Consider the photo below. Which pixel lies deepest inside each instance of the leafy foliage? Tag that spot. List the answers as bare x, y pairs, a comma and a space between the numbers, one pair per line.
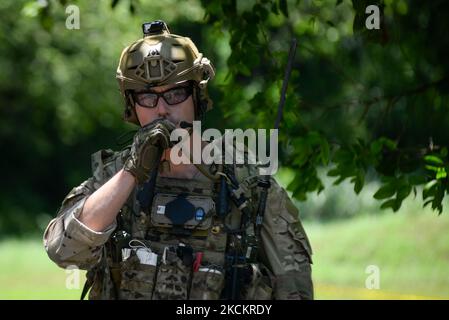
358, 96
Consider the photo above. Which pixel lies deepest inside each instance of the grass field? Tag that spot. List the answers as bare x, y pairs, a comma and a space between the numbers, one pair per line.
411, 251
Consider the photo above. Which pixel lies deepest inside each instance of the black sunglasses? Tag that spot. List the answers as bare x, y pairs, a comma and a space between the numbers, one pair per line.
171, 96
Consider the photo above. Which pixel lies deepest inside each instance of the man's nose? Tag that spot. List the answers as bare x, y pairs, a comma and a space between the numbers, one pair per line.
161, 108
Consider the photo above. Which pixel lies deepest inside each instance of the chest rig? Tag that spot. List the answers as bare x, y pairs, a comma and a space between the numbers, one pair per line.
175, 221
194, 244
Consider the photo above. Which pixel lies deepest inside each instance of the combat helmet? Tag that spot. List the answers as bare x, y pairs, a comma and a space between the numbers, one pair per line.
162, 58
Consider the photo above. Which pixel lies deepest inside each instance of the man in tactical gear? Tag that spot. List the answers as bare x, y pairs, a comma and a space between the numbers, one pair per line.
145, 228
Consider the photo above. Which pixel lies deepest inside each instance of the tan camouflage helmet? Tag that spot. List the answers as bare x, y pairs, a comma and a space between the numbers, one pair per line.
162, 58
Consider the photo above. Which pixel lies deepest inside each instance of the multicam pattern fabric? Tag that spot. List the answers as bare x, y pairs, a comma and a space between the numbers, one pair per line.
284, 237
137, 280
173, 278
285, 252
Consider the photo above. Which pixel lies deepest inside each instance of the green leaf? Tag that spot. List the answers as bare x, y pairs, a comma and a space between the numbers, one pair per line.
390, 204
416, 179
432, 168
359, 181
433, 159
441, 174
385, 191
334, 172
324, 151
32, 9
390, 144
429, 189
403, 192
244, 70
427, 203
46, 21
376, 147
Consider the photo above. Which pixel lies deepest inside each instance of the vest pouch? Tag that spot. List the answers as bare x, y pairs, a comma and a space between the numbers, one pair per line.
207, 283
173, 277
137, 279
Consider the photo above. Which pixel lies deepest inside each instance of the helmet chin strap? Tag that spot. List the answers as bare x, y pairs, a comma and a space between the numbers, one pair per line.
200, 105
130, 111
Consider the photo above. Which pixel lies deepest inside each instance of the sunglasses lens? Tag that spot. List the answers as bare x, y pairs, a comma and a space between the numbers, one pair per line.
176, 95
172, 97
146, 99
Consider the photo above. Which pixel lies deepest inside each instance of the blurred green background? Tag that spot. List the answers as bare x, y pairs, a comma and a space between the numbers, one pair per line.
369, 106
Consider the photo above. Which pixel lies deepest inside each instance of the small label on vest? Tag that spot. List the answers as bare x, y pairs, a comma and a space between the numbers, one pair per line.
160, 210
146, 256
199, 214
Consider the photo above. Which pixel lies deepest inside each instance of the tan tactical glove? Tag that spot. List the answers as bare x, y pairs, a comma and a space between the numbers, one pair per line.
147, 147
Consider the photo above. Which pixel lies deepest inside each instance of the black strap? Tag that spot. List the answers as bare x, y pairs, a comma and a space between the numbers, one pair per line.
88, 284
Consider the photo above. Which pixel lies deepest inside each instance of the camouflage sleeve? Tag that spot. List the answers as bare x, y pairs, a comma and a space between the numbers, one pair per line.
286, 247
67, 240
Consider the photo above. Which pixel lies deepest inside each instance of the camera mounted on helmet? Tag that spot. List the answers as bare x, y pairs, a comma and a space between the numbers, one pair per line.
154, 27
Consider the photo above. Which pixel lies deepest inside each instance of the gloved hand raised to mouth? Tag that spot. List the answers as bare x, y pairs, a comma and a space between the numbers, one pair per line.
146, 151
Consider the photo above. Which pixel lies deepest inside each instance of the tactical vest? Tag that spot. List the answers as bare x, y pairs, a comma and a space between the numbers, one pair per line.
175, 246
